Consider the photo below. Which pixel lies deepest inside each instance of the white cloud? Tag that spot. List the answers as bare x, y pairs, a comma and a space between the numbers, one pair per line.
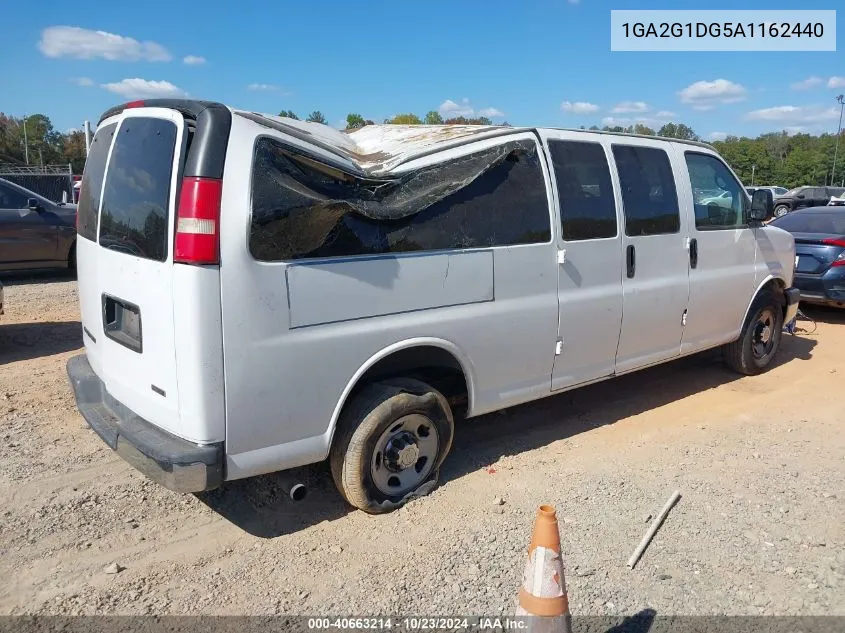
449, 108
73, 41
143, 89
630, 106
806, 84
836, 82
794, 114
193, 60
261, 87
579, 107
85, 82
718, 136
665, 114
706, 95
490, 113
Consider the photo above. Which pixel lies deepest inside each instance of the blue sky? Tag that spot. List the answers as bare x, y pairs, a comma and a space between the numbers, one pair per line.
530, 62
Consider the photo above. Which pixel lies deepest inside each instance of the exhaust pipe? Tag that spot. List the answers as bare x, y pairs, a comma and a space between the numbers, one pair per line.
294, 489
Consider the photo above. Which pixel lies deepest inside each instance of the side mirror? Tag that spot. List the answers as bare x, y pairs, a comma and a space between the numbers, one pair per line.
801, 196
32, 204
762, 205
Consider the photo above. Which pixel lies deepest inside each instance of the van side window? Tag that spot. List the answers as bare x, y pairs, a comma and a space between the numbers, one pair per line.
301, 211
587, 205
136, 200
718, 199
88, 207
648, 190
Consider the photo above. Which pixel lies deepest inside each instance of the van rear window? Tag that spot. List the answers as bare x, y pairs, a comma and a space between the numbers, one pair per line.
136, 201
92, 182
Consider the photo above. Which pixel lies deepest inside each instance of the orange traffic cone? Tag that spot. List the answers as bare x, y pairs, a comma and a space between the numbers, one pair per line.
543, 591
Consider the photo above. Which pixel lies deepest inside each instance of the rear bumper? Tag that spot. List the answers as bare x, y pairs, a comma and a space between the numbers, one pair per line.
174, 463
827, 289
792, 296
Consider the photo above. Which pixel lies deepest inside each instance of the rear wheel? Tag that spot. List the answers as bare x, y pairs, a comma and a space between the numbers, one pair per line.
755, 349
390, 443
781, 210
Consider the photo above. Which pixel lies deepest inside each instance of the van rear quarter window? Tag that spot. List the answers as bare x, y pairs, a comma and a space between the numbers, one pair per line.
302, 210
92, 182
136, 201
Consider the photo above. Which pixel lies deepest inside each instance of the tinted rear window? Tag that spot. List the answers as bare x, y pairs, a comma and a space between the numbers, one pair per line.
92, 182
812, 223
136, 201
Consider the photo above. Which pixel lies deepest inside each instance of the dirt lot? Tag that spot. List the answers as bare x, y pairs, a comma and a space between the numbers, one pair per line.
760, 528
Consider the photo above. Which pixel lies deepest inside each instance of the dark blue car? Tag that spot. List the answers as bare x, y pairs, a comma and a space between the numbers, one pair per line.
819, 234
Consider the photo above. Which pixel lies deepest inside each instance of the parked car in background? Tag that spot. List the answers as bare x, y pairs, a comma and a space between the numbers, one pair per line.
776, 191
837, 201
35, 232
819, 234
724, 199
803, 197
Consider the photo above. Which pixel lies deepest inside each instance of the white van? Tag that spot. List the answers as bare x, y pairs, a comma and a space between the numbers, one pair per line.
259, 293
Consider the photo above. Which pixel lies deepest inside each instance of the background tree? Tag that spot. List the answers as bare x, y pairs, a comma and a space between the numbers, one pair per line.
462, 120
289, 114
354, 121
405, 119
678, 130
317, 117
432, 117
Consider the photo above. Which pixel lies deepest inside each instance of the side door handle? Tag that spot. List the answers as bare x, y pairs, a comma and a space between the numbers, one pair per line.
693, 253
631, 260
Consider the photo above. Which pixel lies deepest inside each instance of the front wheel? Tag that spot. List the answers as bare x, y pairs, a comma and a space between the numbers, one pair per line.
390, 443
755, 349
781, 210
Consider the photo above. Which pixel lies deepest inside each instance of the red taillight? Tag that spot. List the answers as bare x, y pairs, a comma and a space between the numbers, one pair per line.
198, 222
135, 104
835, 241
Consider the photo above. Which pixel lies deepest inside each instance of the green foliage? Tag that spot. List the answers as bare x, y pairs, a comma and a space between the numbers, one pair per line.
462, 120
289, 114
678, 130
317, 117
783, 160
405, 119
354, 121
433, 117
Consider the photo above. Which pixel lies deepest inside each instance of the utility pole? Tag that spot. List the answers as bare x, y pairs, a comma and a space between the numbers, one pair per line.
86, 129
25, 142
753, 168
841, 101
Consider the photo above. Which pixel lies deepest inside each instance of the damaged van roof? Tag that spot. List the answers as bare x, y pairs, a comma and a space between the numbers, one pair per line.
376, 149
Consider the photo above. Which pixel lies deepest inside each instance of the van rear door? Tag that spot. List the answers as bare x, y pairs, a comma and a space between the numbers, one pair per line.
126, 276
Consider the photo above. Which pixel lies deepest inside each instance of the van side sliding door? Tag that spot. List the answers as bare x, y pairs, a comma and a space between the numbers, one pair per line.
655, 269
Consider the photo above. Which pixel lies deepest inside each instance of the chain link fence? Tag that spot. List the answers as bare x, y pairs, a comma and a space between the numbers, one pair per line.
54, 182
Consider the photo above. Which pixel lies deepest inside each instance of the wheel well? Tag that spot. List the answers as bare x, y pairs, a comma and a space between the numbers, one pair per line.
428, 363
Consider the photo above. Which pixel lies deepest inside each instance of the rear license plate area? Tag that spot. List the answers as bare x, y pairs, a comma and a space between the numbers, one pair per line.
122, 323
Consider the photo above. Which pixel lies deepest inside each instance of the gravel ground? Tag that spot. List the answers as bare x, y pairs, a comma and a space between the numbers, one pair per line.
760, 528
